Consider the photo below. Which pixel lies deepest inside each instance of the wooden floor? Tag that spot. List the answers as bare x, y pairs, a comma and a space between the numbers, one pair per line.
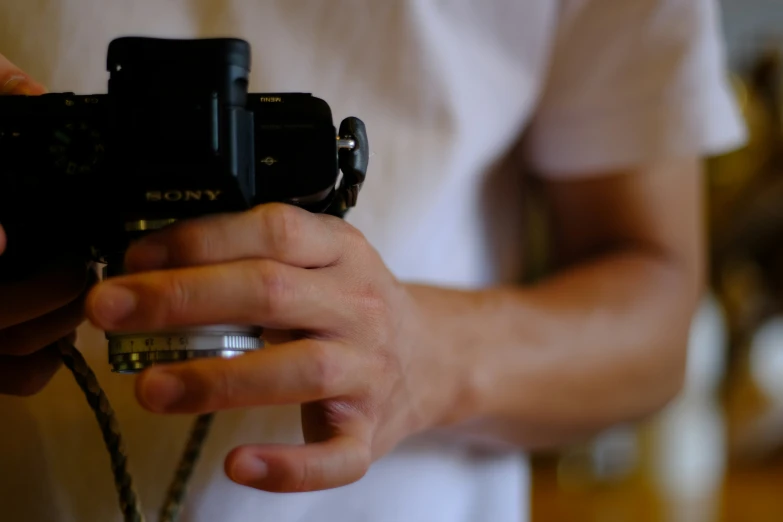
751, 494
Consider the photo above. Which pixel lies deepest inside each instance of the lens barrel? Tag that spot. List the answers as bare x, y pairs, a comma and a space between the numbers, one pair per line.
132, 352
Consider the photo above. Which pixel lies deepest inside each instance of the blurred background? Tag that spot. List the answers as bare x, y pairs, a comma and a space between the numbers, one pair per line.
716, 453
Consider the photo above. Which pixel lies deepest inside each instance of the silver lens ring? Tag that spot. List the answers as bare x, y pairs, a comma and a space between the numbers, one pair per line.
132, 352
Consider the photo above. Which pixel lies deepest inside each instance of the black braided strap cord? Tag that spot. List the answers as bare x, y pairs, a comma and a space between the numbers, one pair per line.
107, 420
170, 510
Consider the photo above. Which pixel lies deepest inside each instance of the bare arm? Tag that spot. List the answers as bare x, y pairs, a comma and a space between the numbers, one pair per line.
601, 342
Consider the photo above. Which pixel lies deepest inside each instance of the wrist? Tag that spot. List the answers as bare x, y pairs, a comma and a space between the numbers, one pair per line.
447, 371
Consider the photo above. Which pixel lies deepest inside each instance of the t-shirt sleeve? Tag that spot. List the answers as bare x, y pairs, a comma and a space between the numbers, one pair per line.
631, 82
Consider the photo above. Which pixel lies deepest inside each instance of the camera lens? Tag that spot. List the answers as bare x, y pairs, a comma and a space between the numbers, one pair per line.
132, 352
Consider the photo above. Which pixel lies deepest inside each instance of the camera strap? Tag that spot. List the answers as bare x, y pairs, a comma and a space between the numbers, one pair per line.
130, 504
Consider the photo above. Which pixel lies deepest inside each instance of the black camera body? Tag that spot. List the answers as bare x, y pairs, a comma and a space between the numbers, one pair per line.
177, 136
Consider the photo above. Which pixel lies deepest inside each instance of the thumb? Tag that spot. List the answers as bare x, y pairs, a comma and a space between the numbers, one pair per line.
2, 240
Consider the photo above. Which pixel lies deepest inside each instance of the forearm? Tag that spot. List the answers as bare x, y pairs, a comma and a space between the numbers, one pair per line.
598, 344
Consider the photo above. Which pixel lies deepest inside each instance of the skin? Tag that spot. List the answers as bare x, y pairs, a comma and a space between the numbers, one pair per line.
373, 360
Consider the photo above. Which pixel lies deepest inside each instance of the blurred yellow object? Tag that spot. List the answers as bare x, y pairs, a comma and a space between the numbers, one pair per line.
731, 175
732, 169
745, 192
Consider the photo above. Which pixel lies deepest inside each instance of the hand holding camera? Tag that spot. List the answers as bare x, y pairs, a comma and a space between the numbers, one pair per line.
216, 212
38, 311
87, 175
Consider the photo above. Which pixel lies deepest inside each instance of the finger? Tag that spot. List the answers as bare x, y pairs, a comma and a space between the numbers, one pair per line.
334, 463
25, 376
14, 81
275, 231
26, 300
295, 373
26, 338
2, 240
258, 292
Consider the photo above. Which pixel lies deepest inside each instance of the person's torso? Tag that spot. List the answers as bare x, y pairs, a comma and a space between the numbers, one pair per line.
445, 88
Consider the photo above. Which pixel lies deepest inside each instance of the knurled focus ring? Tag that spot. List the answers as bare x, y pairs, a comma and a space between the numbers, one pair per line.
133, 352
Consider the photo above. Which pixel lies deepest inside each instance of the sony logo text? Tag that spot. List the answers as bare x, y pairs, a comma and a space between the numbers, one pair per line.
183, 195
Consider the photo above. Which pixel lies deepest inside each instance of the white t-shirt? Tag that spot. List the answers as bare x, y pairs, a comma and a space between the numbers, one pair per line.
446, 88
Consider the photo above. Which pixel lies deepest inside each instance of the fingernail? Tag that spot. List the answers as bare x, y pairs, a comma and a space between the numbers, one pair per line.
146, 255
114, 303
21, 85
248, 470
162, 390
9, 86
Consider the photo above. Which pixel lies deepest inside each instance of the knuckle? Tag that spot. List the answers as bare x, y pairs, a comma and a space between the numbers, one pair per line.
326, 372
280, 226
381, 319
173, 298
384, 362
272, 288
313, 474
353, 233
376, 309
214, 389
191, 243
354, 239
374, 304
303, 478
223, 389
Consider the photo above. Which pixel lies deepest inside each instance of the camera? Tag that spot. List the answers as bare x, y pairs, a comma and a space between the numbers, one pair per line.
177, 136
